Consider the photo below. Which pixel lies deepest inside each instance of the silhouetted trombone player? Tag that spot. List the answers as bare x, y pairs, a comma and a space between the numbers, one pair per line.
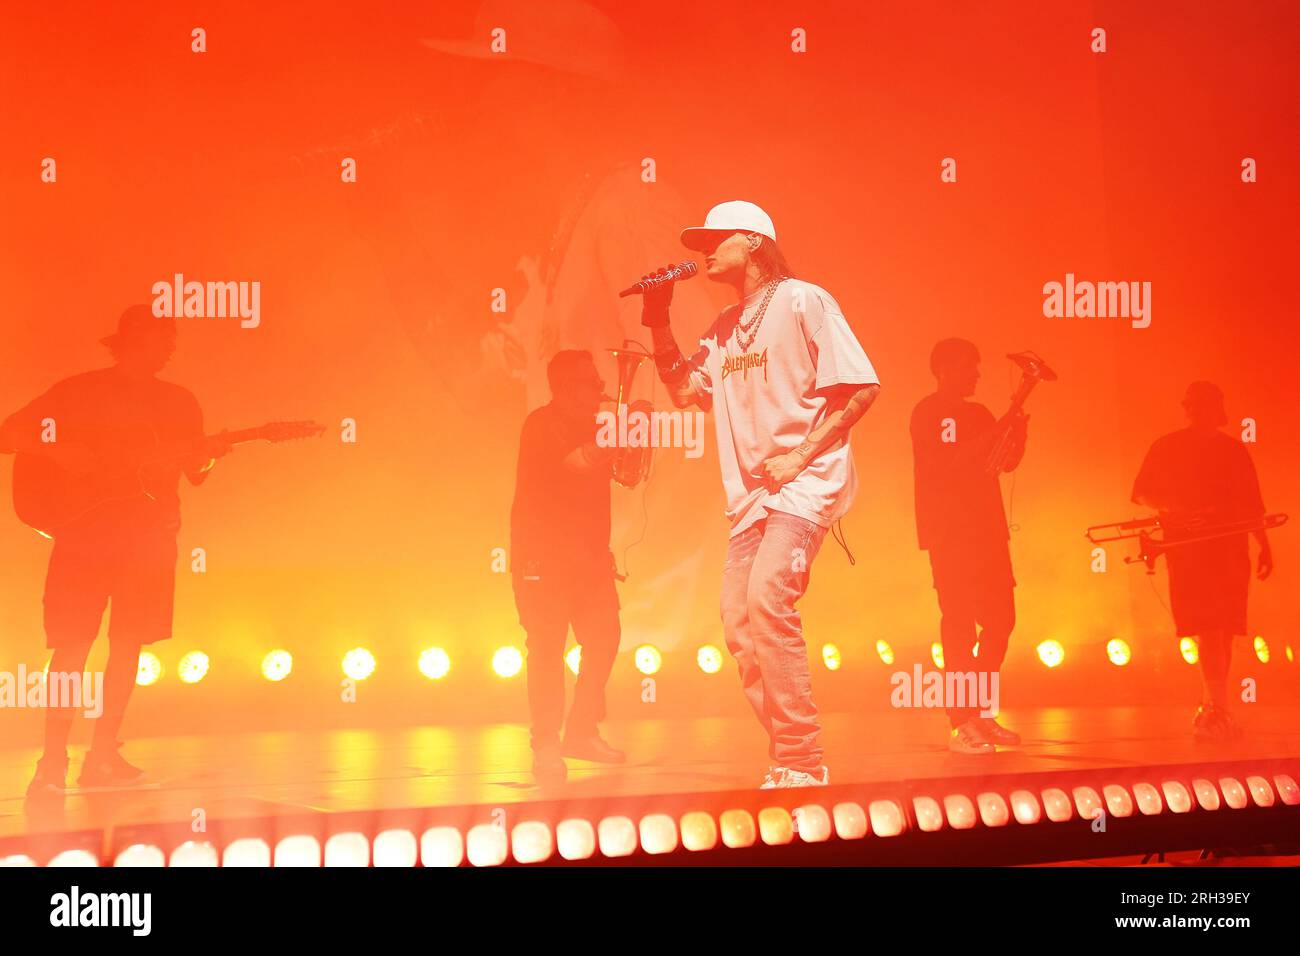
1203, 483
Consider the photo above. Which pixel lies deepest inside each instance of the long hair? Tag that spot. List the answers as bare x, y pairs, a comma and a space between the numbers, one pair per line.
771, 260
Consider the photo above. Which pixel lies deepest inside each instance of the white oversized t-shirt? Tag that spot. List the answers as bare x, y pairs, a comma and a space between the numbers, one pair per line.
768, 397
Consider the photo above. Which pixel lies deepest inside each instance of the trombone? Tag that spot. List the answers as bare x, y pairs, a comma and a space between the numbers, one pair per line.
1185, 530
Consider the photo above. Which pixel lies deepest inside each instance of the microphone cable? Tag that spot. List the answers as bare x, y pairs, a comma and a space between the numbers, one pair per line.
837, 532
645, 496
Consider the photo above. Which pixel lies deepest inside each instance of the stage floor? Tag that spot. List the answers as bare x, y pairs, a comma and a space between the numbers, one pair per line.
270, 774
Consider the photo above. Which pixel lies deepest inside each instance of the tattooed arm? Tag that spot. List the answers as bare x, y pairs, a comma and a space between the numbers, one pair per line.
686, 378
847, 404
683, 376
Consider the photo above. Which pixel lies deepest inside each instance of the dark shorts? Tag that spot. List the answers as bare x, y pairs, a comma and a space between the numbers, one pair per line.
138, 577
1208, 585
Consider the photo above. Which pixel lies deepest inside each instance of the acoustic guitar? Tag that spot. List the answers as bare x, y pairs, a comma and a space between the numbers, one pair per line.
48, 497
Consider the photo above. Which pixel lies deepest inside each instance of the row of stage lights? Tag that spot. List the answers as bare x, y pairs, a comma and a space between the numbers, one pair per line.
623, 834
435, 663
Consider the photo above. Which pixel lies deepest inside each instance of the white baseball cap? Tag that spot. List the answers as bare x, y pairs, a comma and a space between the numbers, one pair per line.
729, 217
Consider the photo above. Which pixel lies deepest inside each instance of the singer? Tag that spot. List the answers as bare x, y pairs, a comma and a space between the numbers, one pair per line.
786, 380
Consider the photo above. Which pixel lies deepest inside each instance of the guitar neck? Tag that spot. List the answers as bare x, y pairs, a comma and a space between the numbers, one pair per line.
242, 436
180, 449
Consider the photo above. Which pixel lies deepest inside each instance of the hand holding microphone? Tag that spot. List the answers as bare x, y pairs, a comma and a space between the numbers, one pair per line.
656, 289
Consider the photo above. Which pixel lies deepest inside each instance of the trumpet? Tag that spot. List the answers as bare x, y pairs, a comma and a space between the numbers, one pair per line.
1033, 370
1186, 529
631, 463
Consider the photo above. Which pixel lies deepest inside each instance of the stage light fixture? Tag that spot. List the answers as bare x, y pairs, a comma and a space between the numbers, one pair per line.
395, 848
350, 849
76, 857
699, 831
277, 665
1051, 653
831, 657
617, 836
936, 654
507, 661
140, 855
648, 659
298, 850
813, 823
1261, 650
1118, 651
193, 667
709, 658
575, 839
358, 663
532, 841
851, 821
442, 846
738, 829
247, 852
885, 652
486, 845
994, 811
149, 670
434, 663
775, 826
1188, 648
194, 853
1026, 807
658, 833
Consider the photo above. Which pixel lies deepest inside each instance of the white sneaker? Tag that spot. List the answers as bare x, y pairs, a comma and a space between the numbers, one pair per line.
969, 739
800, 778
772, 779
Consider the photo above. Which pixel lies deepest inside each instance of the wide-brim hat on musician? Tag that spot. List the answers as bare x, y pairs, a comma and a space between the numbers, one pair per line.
726, 219
139, 324
565, 35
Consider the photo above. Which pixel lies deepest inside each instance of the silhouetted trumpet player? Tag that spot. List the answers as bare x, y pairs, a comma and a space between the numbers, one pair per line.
959, 452
1199, 478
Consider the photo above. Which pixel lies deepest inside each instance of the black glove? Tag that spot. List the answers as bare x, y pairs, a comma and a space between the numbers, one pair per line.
654, 304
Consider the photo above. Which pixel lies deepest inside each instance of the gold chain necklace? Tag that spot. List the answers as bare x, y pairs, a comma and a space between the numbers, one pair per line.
743, 330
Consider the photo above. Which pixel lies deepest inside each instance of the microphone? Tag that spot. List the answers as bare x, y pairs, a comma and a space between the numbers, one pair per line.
683, 270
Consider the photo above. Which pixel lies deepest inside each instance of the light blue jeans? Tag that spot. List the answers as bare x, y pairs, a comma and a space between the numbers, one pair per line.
766, 573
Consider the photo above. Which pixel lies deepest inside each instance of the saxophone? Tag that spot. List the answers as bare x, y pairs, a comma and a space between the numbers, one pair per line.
1033, 370
631, 462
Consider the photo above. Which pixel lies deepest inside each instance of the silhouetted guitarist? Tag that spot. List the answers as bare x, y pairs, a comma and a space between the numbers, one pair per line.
123, 551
